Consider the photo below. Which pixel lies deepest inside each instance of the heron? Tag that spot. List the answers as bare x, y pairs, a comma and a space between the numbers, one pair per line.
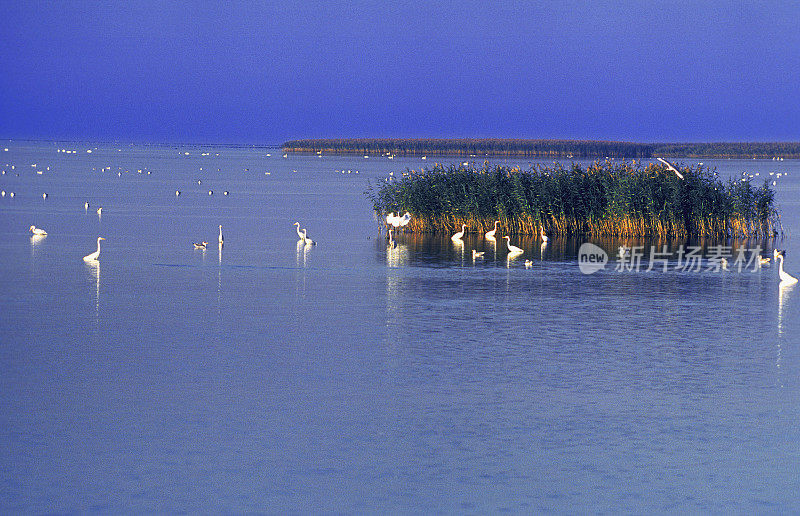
37, 231
670, 167
306, 239
221, 240
786, 278
299, 233
490, 234
512, 249
95, 255
460, 234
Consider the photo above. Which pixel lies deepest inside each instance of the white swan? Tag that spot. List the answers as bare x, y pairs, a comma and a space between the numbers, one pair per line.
786, 278
95, 255
490, 234
460, 234
221, 240
37, 231
512, 249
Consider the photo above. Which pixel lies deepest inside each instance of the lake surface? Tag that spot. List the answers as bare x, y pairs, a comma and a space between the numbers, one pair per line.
349, 377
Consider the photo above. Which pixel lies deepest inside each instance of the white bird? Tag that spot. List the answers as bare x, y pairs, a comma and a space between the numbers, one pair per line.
211, 192
201, 245
306, 239
477, 254
763, 261
405, 219
512, 249
86, 206
528, 264
44, 196
100, 210
177, 193
544, 236
95, 255
670, 167
220, 234
786, 278
37, 231
490, 234
460, 234
299, 233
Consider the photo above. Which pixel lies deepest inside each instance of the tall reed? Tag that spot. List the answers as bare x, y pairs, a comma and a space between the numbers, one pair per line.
610, 198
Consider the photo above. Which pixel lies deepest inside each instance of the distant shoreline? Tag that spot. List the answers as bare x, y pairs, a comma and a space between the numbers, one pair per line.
485, 147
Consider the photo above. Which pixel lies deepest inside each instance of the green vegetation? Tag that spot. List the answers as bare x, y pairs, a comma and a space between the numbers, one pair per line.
608, 198
542, 148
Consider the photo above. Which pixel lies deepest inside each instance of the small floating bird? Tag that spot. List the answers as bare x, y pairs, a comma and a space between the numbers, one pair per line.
724, 263
211, 192
37, 231
225, 192
670, 167
177, 193
95, 255
307, 240
786, 278
201, 245
477, 254
44, 196
763, 261
100, 210
528, 264
220, 240
460, 234
512, 249
490, 234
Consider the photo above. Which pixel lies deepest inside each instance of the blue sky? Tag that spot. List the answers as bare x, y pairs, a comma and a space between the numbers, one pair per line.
242, 72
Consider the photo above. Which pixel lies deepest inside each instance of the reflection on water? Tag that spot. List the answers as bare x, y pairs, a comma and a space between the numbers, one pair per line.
784, 293
439, 250
94, 274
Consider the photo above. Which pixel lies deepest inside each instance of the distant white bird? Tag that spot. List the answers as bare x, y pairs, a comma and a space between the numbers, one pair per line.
100, 210
211, 192
95, 255
307, 240
490, 234
512, 249
786, 278
299, 233
177, 193
405, 219
220, 235
44, 196
86, 206
37, 231
542, 233
200, 245
477, 254
670, 167
460, 234
225, 192
528, 264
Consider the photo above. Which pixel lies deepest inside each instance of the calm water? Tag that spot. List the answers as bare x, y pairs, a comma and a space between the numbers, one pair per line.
351, 378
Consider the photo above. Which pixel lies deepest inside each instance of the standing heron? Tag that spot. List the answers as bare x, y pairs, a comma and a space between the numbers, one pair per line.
786, 278
95, 255
460, 234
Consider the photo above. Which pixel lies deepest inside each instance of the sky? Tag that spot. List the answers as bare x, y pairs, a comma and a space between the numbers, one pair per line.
263, 72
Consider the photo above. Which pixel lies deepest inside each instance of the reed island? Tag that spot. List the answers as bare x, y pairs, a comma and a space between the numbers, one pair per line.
607, 198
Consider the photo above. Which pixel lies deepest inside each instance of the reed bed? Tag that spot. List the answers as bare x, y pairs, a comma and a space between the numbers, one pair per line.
542, 148
608, 198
